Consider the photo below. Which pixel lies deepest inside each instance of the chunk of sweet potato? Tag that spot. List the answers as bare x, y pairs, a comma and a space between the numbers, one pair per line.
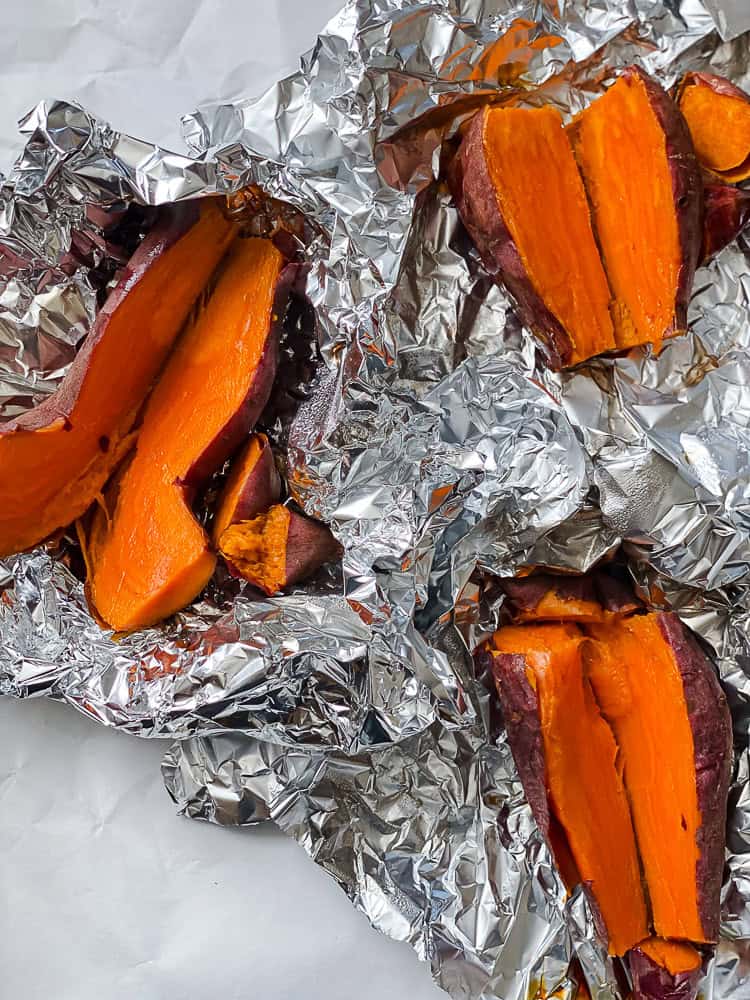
56, 458
277, 548
252, 486
657, 696
718, 116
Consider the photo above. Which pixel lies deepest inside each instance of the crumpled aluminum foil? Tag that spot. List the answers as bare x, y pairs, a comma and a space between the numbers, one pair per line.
349, 711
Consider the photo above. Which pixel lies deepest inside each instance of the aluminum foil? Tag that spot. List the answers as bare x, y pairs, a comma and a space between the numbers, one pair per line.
349, 712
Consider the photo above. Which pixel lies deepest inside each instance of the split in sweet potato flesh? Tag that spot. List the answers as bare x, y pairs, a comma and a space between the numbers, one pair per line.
543, 204
585, 787
55, 459
148, 555
252, 486
718, 116
622, 151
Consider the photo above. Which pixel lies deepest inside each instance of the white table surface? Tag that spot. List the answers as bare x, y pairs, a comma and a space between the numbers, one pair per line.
105, 894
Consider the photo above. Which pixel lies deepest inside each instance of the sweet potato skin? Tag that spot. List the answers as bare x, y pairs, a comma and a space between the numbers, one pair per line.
523, 725
711, 725
687, 188
309, 544
652, 982
726, 213
471, 186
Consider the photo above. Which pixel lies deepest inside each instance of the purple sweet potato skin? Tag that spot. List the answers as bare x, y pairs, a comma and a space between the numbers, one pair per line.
173, 223
473, 192
614, 595
258, 394
687, 189
726, 213
652, 982
711, 725
521, 713
309, 544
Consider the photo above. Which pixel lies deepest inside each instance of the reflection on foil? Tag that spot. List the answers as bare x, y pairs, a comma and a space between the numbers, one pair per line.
349, 711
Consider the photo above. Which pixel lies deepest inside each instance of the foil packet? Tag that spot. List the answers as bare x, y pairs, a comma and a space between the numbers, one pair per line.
439, 451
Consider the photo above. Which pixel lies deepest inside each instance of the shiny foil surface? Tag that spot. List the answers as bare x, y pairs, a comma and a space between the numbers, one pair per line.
440, 451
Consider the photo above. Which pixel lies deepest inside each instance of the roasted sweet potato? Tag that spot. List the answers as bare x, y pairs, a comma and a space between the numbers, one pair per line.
146, 553
726, 213
652, 727
718, 116
252, 486
551, 714
519, 194
277, 549
56, 458
646, 195
661, 697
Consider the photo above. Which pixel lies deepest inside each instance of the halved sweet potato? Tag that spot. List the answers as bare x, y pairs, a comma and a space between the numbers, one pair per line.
726, 213
277, 548
661, 697
146, 553
646, 195
55, 459
539, 670
252, 486
520, 196
718, 116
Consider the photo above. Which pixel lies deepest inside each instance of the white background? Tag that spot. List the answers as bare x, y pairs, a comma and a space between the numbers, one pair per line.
105, 894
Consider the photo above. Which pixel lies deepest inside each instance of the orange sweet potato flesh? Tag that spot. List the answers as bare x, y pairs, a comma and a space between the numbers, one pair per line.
147, 554
257, 548
584, 783
643, 182
718, 116
55, 459
638, 684
543, 204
